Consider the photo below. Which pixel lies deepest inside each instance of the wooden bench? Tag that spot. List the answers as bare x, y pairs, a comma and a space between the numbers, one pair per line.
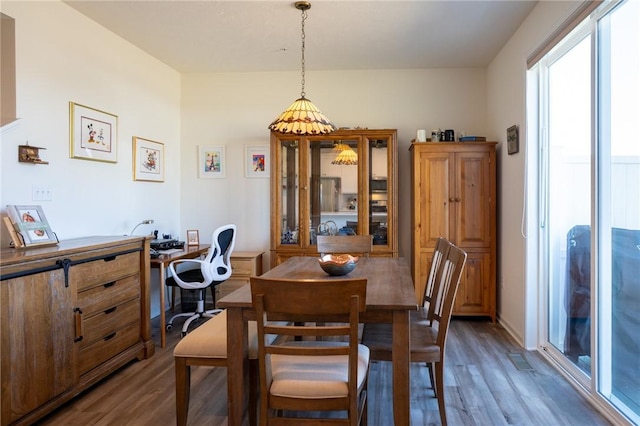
207, 346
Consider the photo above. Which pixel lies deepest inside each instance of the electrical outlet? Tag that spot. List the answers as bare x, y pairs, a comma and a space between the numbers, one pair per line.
42, 193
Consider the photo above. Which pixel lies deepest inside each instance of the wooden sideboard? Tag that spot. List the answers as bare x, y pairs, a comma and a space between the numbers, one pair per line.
70, 315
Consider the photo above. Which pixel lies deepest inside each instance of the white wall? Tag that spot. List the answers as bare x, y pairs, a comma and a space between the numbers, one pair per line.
506, 88
62, 56
234, 109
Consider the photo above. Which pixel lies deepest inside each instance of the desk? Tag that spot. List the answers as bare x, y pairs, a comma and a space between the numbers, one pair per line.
189, 252
390, 297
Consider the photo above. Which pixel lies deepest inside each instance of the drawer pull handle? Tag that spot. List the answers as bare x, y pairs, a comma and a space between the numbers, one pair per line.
111, 284
111, 310
109, 337
109, 259
77, 312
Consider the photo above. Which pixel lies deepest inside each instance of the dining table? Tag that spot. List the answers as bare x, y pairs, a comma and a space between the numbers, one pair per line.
390, 297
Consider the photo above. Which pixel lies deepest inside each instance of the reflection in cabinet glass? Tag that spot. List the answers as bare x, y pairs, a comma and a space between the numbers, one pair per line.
314, 192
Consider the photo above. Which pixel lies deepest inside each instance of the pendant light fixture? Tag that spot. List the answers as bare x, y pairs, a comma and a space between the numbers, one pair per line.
302, 117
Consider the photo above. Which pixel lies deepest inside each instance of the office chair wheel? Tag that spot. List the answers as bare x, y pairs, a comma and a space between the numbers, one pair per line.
168, 327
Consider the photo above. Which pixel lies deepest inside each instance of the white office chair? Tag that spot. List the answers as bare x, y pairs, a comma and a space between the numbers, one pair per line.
214, 269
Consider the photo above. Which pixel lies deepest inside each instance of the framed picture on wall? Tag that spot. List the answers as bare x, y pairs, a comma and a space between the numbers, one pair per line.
211, 161
257, 161
513, 140
148, 160
93, 134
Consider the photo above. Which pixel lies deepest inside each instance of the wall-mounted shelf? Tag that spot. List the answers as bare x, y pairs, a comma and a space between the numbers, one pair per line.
30, 154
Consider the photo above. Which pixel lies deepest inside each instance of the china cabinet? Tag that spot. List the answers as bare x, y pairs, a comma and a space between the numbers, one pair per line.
454, 196
69, 316
314, 190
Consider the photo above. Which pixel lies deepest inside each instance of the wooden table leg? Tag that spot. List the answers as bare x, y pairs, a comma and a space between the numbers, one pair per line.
163, 337
401, 358
237, 366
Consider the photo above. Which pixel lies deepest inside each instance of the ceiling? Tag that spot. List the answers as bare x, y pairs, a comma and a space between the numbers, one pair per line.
246, 36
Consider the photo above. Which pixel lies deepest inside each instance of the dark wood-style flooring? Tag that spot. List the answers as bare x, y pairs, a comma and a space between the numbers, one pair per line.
483, 387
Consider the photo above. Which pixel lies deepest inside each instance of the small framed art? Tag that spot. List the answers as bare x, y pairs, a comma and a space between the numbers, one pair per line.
211, 161
30, 225
257, 161
148, 160
93, 134
513, 140
193, 238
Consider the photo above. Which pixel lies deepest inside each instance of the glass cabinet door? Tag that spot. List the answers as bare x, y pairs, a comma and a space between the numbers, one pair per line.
333, 183
289, 172
378, 189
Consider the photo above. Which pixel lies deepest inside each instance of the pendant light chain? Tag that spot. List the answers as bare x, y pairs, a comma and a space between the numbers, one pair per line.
302, 117
303, 36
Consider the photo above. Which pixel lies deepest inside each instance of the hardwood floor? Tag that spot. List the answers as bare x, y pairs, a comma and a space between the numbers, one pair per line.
483, 387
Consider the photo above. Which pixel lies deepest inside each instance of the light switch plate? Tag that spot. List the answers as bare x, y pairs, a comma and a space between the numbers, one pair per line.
42, 193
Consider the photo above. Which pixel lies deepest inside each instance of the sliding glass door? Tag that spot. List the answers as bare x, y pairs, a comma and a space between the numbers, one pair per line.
589, 176
618, 206
568, 185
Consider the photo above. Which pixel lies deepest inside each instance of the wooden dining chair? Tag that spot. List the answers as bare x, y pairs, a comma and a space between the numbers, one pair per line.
428, 339
426, 309
357, 245
300, 380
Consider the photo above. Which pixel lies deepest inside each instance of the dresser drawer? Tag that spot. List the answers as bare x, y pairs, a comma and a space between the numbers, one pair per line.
242, 267
108, 295
102, 271
106, 322
107, 347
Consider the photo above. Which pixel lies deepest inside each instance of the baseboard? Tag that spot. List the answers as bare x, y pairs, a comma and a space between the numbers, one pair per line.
516, 336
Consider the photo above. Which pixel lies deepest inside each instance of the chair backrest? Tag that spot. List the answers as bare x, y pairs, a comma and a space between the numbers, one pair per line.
217, 263
435, 272
304, 305
341, 244
446, 290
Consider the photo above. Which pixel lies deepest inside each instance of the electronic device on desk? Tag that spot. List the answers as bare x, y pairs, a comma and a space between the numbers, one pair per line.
154, 253
166, 244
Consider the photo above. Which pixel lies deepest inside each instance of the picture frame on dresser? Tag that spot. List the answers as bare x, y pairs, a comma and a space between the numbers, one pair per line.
30, 226
193, 238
